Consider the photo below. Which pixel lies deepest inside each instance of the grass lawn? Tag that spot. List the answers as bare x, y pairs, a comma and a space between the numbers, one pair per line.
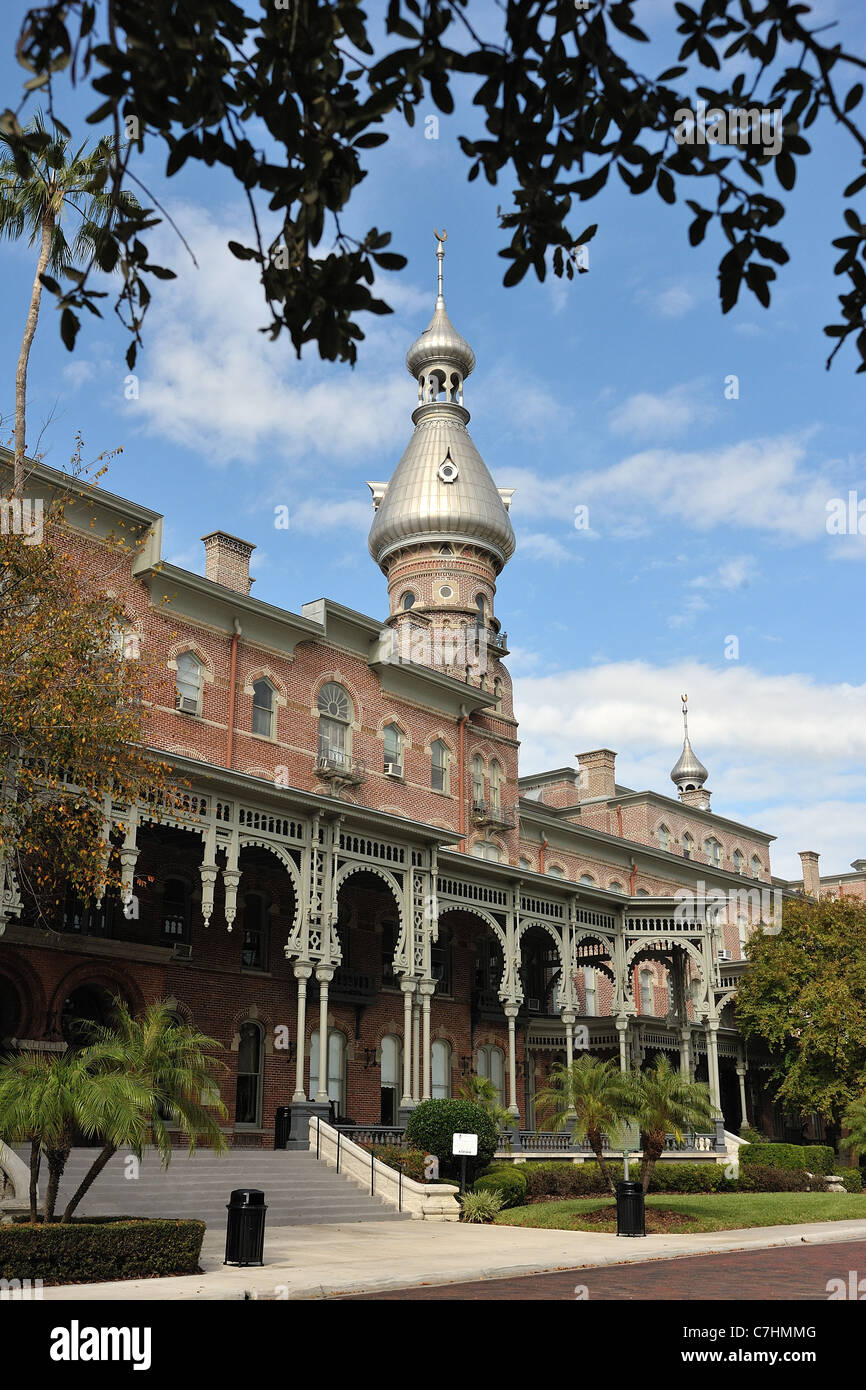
672, 1212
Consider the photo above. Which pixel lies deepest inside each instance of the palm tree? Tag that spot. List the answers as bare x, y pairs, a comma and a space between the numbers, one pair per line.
45, 1101
481, 1091
34, 202
666, 1102
854, 1121
168, 1069
596, 1095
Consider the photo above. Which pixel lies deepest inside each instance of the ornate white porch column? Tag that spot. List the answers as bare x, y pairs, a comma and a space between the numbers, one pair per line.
511, 1015
622, 1030
416, 1049
324, 975
741, 1077
426, 987
713, 1064
303, 971
408, 988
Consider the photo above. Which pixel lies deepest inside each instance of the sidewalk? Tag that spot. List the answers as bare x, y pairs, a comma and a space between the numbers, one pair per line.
307, 1262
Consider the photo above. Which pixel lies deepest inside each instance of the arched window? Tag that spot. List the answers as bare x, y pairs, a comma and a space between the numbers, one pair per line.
641, 893
615, 887
695, 991
408, 600
393, 750
254, 949
335, 720
556, 871
481, 606
477, 780
175, 919
590, 985
441, 1070
646, 992
392, 1071
188, 684
757, 867
484, 850
587, 878
524, 863
495, 788
491, 1064
713, 851
688, 846
739, 861
664, 837
336, 1068
439, 767
264, 708
497, 689
248, 1099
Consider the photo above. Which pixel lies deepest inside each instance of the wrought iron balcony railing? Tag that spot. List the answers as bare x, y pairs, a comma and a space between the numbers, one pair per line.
489, 813
332, 764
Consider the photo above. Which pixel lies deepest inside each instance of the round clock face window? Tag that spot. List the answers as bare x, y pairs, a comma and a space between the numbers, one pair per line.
446, 591
448, 471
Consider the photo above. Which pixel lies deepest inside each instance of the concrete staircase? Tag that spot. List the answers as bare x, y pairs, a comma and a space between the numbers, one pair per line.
299, 1190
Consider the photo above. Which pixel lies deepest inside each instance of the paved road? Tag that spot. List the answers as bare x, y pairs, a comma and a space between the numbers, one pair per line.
795, 1272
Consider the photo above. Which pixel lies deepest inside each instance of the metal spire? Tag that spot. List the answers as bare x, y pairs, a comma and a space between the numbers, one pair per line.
441, 238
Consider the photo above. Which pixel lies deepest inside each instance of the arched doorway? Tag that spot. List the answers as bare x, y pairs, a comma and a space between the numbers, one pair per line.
88, 1006
10, 1011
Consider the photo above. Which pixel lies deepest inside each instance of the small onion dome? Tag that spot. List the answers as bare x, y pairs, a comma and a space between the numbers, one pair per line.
440, 342
688, 768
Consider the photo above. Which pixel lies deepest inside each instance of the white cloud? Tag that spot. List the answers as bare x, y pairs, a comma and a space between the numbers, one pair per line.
537, 545
769, 742
649, 416
674, 302
328, 514
755, 484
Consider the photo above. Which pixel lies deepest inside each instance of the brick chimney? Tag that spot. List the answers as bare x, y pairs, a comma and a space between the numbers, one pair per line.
227, 561
811, 878
597, 779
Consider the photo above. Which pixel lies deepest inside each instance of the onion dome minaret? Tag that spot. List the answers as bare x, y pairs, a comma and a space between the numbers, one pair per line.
688, 772
441, 533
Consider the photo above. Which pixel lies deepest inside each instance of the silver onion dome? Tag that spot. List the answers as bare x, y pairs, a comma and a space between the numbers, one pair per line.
441, 490
688, 769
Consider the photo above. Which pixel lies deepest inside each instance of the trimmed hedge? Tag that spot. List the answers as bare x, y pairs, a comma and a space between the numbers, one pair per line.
510, 1183
691, 1177
88, 1252
809, 1158
760, 1177
852, 1179
409, 1162
433, 1124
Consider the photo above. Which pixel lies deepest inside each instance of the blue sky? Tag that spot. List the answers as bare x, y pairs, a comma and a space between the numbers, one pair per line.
707, 515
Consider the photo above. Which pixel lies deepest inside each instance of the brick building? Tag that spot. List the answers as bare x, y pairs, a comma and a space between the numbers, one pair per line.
359, 858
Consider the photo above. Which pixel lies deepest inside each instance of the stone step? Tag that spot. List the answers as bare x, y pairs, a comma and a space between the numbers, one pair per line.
299, 1190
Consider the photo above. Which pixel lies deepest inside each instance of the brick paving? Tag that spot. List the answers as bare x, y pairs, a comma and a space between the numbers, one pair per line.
798, 1273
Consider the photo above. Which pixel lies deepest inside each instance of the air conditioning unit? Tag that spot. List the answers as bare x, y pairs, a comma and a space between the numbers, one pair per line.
187, 704
181, 950
393, 770
534, 1006
725, 955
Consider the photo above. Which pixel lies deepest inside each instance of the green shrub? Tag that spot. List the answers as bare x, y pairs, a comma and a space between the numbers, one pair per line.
690, 1177
509, 1182
809, 1158
752, 1136
480, 1206
409, 1162
87, 1252
433, 1124
759, 1177
852, 1179
570, 1179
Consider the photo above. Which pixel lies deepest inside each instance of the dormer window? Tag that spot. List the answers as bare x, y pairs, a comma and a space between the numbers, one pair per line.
713, 851
664, 837
188, 685
739, 861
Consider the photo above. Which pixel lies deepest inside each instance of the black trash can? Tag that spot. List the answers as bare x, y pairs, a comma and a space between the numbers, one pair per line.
630, 1209
282, 1126
245, 1228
